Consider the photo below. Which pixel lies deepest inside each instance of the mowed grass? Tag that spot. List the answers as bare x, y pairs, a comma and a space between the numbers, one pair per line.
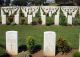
70, 33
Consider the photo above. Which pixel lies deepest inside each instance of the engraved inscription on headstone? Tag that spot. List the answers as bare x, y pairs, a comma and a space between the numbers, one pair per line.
12, 42
49, 43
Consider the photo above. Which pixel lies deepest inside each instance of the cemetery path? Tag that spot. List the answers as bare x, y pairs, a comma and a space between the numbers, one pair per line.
40, 54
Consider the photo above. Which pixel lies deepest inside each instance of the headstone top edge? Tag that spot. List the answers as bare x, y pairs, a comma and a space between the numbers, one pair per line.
11, 31
49, 32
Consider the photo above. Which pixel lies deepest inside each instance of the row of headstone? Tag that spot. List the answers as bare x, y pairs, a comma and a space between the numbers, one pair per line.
30, 10
56, 19
49, 43
68, 11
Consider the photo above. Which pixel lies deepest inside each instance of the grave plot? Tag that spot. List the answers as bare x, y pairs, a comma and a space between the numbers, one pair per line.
49, 43
45, 15
12, 42
70, 13
10, 15
30, 13
51, 11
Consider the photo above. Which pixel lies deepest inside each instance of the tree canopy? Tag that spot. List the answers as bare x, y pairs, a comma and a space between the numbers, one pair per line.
36, 2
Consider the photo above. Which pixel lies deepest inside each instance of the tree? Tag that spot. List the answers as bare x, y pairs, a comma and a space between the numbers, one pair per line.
1, 2
20, 2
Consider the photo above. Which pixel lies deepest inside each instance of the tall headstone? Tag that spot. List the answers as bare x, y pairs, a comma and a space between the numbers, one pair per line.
9, 12
12, 42
34, 14
16, 18
49, 43
3, 19
29, 19
43, 18
25, 14
56, 20
69, 21
50, 14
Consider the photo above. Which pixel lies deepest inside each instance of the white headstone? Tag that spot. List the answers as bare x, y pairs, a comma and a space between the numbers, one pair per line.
16, 18
50, 14
9, 12
56, 20
29, 12
12, 42
34, 14
69, 21
3, 19
29, 19
49, 43
43, 18
25, 14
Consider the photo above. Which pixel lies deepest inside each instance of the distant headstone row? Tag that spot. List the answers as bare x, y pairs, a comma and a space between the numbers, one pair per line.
30, 12
49, 43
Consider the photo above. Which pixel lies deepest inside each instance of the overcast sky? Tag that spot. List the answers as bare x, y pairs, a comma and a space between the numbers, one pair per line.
50, 0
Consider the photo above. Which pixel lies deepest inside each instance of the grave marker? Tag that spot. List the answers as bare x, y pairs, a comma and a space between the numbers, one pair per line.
49, 43
12, 42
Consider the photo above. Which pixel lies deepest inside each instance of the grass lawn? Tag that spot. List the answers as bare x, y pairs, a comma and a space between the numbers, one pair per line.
70, 33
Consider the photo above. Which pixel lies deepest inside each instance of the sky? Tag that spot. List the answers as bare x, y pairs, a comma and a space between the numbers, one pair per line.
50, 0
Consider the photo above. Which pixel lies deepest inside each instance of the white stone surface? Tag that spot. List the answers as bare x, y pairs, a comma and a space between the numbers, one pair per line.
9, 12
34, 14
3, 19
29, 19
50, 14
56, 20
69, 21
25, 14
43, 18
49, 43
12, 42
16, 18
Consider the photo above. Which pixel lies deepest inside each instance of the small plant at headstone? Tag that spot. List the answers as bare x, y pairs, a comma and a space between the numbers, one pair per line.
34, 23
22, 21
76, 22
63, 46
63, 19
10, 19
21, 14
38, 13
50, 21
30, 43
76, 54
40, 21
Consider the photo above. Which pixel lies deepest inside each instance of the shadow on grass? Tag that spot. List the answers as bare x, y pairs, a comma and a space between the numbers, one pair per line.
36, 48
22, 48
2, 46
66, 51
5, 55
